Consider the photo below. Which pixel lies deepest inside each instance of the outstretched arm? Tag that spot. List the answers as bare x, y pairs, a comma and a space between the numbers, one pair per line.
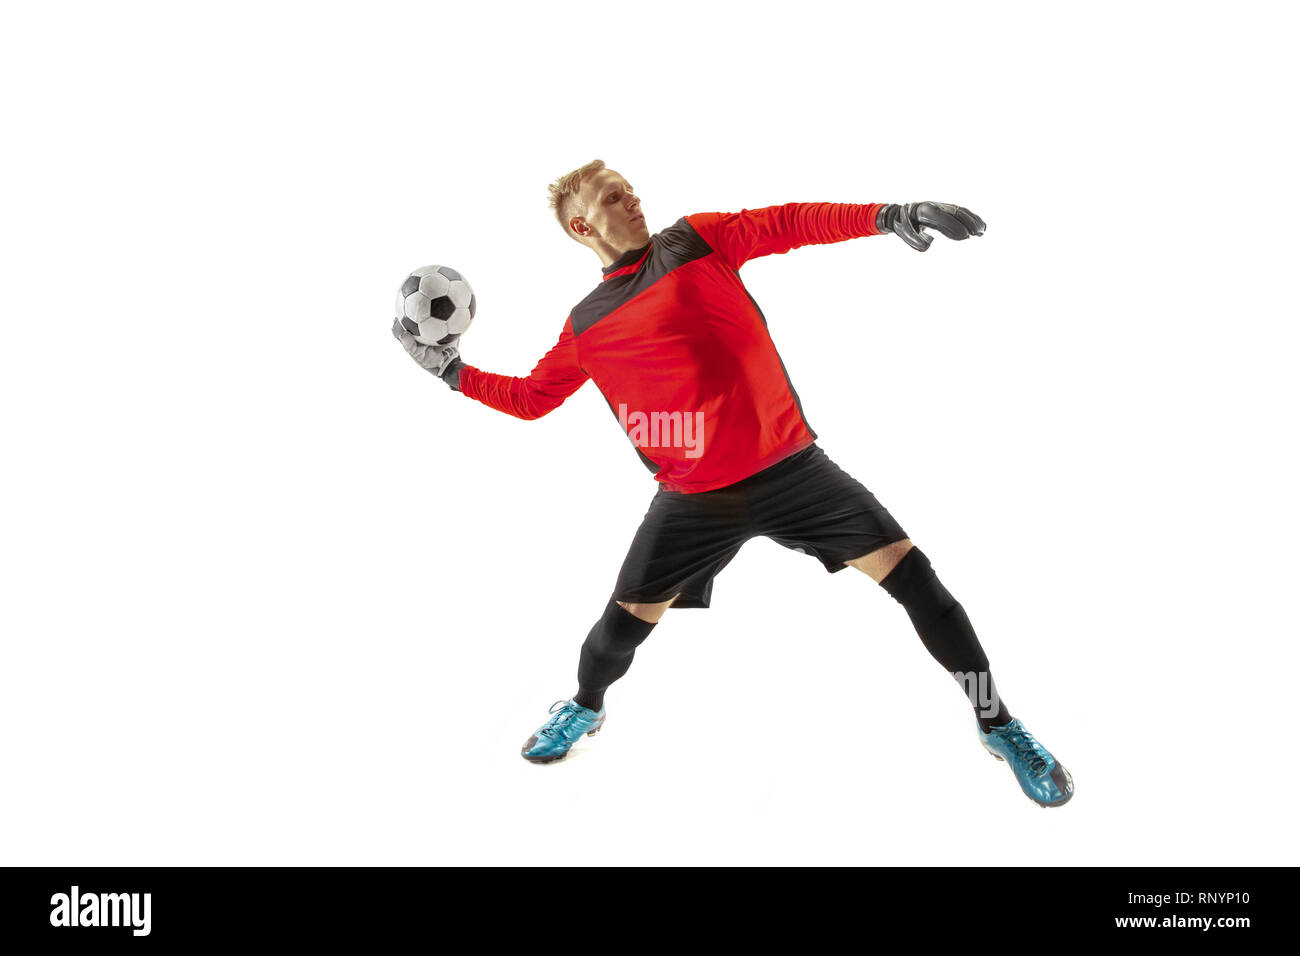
751, 233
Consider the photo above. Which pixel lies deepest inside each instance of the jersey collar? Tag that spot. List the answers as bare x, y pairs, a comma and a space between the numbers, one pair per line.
627, 262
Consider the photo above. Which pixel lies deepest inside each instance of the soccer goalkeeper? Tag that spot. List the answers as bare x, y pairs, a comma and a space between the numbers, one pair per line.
681, 352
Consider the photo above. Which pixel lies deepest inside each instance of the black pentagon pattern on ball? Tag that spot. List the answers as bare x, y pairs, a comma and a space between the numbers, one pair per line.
448, 339
471, 305
410, 285
450, 273
410, 326
442, 307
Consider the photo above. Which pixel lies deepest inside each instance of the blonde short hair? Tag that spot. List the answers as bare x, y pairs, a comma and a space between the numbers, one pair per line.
564, 192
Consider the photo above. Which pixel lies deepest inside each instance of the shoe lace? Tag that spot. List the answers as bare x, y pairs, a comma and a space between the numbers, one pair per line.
1029, 750
556, 723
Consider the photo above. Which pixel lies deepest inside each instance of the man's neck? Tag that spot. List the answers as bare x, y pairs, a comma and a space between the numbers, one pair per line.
610, 255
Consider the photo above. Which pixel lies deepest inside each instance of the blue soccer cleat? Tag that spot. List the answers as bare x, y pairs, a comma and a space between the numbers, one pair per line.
553, 740
1044, 780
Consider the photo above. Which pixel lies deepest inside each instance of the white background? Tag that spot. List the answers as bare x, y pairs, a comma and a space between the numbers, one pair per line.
273, 595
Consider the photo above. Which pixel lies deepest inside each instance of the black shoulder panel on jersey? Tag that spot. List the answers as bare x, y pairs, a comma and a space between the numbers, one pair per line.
669, 250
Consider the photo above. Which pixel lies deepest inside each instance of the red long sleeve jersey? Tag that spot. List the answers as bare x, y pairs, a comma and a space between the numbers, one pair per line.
681, 351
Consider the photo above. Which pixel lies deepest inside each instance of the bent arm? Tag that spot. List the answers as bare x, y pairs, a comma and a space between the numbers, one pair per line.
555, 377
750, 233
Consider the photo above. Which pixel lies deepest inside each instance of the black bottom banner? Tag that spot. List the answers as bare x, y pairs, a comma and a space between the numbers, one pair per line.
192, 905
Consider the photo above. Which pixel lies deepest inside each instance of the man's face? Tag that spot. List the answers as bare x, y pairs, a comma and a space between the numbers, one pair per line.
612, 211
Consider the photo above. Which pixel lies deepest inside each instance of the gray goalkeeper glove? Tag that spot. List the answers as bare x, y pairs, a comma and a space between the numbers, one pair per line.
440, 360
908, 221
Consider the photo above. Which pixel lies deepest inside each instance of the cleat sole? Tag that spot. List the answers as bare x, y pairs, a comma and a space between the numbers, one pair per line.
549, 758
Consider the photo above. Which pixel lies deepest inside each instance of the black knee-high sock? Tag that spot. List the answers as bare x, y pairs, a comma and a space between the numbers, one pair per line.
607, 653
946, 632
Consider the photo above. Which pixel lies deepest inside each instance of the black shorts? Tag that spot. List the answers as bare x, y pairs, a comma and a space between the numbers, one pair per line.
805, 502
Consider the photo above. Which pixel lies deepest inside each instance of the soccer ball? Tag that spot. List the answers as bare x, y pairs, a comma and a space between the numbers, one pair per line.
436, 305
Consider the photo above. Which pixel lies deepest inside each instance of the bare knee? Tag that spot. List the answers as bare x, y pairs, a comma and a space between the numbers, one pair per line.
880, 562
650, 613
